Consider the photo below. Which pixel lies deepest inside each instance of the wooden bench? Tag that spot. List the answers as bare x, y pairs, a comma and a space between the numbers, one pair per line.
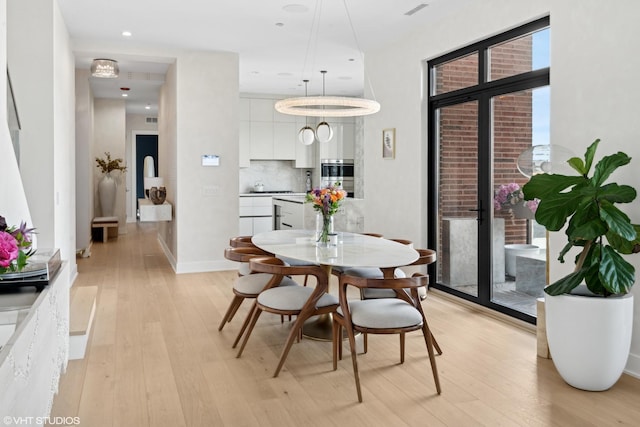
82, 307
105, 222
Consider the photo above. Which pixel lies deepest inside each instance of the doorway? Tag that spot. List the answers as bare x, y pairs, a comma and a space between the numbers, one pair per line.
145, 144
488, 103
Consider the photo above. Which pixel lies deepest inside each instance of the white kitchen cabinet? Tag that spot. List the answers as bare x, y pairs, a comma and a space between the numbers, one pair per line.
256, 215
284, 141
261, 110
244, 146
341, 146
261, 140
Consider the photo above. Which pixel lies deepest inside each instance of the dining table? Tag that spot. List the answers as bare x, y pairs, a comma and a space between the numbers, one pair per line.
350, 250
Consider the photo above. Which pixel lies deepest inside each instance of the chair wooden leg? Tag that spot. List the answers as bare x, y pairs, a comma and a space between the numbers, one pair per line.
426, 332
231, 311
402, 334
354, 359
337, 330
254, 319
435, 345
365, 341
244, 325
293, 334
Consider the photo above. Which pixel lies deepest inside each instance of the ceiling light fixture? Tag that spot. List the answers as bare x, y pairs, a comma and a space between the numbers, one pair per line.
306, 134
324, 133
329, 106
105, 68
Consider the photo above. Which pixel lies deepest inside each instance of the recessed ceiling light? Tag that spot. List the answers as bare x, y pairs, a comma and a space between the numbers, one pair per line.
295, 8
127, 34
147, 107
351, 59
279, 24
255, 72
125, 94
285, 74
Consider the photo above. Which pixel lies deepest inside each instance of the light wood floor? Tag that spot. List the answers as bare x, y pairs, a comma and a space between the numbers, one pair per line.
155, 358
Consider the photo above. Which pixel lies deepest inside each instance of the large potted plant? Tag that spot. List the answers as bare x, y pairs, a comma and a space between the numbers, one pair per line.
589, 312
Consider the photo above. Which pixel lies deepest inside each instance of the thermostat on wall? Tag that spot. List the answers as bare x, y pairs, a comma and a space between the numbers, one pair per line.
210, 160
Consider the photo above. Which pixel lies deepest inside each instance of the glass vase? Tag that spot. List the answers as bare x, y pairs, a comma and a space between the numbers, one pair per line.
324, 227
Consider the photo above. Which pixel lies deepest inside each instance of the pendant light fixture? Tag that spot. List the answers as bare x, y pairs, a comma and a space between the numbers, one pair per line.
324, 133
306, 134
105, 68
329, 106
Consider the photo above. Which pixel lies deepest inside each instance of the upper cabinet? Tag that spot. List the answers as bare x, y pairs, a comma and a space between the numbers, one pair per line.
266, 134
341, 145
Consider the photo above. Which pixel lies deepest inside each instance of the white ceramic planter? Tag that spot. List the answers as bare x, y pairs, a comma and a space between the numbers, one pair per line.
107, 193
589, 338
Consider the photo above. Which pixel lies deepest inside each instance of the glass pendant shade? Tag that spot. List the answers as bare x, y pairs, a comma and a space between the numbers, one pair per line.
306, 135
324, 132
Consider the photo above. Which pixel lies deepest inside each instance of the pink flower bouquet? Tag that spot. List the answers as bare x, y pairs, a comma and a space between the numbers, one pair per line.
15, 246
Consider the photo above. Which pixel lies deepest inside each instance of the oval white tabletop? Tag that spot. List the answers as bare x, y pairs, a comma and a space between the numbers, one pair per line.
352, 250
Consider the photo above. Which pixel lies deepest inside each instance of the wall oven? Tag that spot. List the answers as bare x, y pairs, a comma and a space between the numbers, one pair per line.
333, 171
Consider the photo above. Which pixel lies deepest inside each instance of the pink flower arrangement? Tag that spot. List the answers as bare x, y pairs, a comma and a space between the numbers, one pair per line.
509, 195
15, 246
326, 200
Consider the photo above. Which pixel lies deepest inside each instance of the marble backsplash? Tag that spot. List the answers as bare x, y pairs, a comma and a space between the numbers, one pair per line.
275, 175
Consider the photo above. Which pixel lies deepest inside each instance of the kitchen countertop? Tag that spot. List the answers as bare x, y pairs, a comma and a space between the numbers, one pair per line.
295, 198
268, 194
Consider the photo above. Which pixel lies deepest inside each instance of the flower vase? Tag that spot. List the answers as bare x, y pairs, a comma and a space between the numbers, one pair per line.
522, 211
107, 194
324, 227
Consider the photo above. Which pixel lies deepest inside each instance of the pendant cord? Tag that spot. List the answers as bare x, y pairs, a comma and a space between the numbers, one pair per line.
355, 37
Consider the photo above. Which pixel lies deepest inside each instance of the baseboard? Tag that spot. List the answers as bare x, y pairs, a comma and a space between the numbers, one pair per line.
633, 365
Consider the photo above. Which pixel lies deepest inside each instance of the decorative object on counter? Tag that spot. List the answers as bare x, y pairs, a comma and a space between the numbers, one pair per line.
157, 195
258, 187
107, 185
326, 201
339, 106
509, 197
15, 246
308, 186
152, 182
389, 143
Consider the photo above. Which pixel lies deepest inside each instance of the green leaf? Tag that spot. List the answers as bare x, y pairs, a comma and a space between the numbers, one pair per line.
607, 166
542, 185
592, 279
554, 209
616, 274
588, 230
617, 193
577, 164
590, 154
566, 284
564, 251
617, 221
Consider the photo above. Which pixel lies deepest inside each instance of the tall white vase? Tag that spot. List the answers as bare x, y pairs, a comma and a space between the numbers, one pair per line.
107, 194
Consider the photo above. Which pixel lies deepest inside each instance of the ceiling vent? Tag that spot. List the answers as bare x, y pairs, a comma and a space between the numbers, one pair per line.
152, 120
416, 9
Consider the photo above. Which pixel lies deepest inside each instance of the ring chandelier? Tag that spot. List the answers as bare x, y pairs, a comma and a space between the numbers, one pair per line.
327, 106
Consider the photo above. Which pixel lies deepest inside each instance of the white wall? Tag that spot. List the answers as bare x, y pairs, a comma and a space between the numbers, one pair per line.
84, 160
593, 86
44, 89
109, 137
207, 105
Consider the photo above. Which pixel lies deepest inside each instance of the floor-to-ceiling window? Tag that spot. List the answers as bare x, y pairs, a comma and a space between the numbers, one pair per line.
488, 109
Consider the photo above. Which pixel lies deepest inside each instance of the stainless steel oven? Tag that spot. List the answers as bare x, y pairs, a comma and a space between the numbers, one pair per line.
333, 171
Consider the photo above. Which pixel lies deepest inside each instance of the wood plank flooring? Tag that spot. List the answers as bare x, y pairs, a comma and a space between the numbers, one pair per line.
155, 358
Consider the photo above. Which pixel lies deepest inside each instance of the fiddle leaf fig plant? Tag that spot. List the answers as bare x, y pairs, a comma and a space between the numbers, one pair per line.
595, 223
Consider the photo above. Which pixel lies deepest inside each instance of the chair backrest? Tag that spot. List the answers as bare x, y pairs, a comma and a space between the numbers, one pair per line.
373, 234
241, 242
425, 256
244, 254
409, 284
403, 242
276, 266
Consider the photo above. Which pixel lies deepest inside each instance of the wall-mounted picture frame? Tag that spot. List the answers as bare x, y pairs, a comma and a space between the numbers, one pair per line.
389, 143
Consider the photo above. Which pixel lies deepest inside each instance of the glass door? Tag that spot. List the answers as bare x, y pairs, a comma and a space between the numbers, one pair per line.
458, 210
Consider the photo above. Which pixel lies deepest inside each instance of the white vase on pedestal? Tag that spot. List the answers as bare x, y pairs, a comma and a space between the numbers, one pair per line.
107, 194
